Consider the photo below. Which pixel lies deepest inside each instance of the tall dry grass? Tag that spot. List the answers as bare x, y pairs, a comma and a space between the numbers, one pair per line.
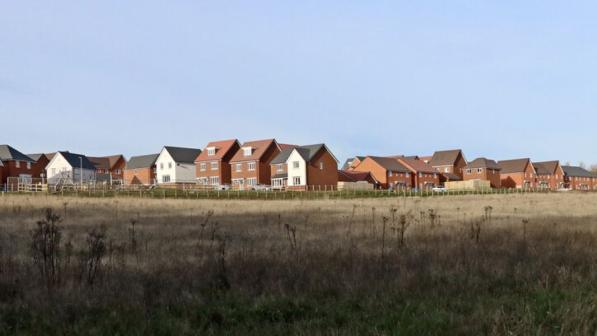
500, 264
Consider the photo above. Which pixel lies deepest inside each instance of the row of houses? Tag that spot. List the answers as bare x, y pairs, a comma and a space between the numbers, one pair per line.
270, 164
397, 172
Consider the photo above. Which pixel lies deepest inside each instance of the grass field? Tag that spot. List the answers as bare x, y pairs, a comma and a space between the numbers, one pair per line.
486, 264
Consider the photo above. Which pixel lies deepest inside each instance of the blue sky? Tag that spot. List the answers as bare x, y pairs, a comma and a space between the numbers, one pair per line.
500, 79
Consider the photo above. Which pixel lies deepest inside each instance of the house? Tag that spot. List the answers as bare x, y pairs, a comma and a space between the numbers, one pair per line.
250, 166
354, 180
350, 163
518, 174
578, 178
109, 169
176, 165
423, 175
450, 163
212, 166
389, 172
70, 168
549, 175
311, 167
485, 170
279, 169
141, 170
15, 165
41, 160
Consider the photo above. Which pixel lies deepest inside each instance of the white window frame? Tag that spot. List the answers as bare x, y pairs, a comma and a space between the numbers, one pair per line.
296, 164
17, 164
251, 166
252, 181
247, 151
280, 167
166, 178
238, 167
202, 166
214, 165
320, 165
296, 180
211, 151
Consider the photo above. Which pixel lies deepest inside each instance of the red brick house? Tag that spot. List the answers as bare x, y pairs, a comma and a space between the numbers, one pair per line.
518, 174
483, 169
423, 175
250, 166
212, 166
389, 172
450, 163
356, 176
549, 175
40, 162
15, 164
141, 170
578, 178
109, 169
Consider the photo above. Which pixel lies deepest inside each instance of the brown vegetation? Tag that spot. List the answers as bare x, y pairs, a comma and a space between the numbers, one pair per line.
495, 264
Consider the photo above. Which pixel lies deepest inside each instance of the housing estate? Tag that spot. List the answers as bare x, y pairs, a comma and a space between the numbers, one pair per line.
14, 164
485, 170
141, 170
549, 175
250, 166
68, 168
518, 174
176, 165
212, 166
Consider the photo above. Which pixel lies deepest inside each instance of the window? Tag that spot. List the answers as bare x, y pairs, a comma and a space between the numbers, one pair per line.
296, 180
251, 166
280, 167
468, 171
446, 170
252, 181
214, 180
247, 151
238, 181
211, 151
407, 174
390, 173
214, 165
479, 170
117, 172
320, 165
161, 165
295, 164
28, 165
169, 165
202, 180
239, 167
202, 166
166, 178
420, 174
18, 164
53, 171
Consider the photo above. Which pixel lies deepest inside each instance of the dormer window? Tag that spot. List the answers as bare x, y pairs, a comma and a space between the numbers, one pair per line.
247, 151
211, 151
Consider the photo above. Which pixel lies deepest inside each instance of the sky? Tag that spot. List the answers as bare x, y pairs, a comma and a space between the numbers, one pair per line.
499, 79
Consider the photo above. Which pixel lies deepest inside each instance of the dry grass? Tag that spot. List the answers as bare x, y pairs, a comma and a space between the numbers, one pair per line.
499, 264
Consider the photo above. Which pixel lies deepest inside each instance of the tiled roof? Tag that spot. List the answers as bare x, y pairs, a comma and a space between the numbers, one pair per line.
309, 151
514, 166
483, 163
575, 171
390, 164
222, 147
546, 167
282, 157
416, 165
259, 148
76, 160
8, 153
182, 154
445, 158
142, 161
105, 162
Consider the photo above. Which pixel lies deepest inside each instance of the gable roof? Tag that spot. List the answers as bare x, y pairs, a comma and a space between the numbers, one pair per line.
546, 167
388, 163
105, 162
222, 147
576, 171
349, 161
8, 153
445, 158
282, 157
37, 156
514, 166
142, 161
77, 160
183, 154
416, 165
483, 163
308, 152
259, 148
